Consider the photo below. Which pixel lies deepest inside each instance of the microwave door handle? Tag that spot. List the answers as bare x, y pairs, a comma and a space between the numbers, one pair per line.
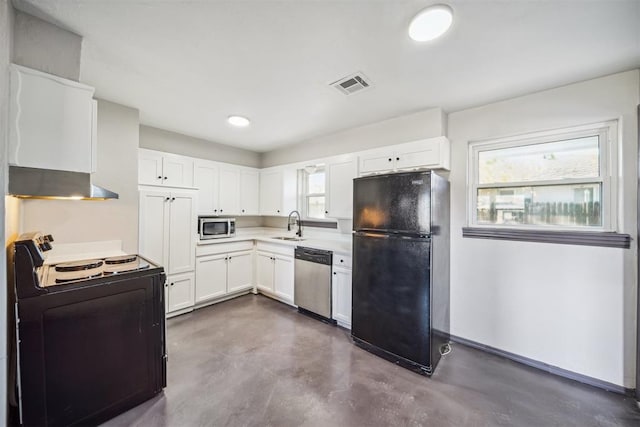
229, 228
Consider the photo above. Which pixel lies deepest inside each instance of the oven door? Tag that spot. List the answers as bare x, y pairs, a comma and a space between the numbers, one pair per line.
90, 353
214, 228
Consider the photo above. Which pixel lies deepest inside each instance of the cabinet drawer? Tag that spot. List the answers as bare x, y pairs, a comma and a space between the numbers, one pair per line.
223, 248
341, 260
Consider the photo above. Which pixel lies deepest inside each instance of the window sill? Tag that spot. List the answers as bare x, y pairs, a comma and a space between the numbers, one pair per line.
584, 238
320, 223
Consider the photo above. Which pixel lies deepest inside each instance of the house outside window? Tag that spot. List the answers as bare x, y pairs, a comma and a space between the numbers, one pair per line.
561, 180
314, 193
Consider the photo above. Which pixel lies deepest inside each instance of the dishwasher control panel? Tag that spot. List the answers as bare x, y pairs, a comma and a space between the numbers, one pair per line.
318, 256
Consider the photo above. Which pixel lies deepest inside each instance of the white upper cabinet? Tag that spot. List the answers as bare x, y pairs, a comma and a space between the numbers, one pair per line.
249, 192
433, 153
277, 191
339, 179
229, 190
165, 169
205, 179
52, 122
225, 189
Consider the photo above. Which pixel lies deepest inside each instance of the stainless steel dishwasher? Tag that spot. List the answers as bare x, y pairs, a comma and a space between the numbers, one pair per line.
313, 282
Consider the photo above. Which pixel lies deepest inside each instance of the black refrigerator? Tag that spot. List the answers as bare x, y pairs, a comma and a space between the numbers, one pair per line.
400, 308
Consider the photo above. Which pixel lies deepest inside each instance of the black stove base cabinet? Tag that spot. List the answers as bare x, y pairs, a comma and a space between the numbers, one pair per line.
89, 352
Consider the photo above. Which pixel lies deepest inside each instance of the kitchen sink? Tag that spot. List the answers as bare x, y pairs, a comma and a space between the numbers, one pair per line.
291, 239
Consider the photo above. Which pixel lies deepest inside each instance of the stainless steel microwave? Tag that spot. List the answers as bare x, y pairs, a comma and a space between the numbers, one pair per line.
211, 227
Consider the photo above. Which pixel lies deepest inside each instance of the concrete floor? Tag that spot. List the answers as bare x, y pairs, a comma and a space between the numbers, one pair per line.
252, 361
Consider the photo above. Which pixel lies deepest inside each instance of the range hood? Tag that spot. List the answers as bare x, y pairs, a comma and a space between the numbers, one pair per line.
32, 183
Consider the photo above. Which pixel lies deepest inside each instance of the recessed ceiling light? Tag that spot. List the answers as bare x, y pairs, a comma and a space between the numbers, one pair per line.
431, 23
238, 121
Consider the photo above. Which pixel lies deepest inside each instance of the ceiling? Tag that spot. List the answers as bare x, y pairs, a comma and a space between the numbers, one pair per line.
187, 65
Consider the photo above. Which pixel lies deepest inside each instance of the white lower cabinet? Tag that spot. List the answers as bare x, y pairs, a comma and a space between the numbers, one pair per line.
341, 294
220, 274
264, 271
211, 277
275, 275
283, 277
240, 271
179, 295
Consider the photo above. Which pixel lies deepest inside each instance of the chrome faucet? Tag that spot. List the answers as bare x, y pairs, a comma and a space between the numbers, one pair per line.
299, 232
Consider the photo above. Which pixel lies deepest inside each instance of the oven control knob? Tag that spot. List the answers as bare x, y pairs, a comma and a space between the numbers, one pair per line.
45, 246
48, 238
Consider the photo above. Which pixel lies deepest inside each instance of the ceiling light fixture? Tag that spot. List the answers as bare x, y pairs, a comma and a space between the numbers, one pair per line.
431, 23
238, 121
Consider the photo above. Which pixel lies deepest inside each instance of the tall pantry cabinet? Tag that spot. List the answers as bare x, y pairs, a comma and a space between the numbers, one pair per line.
167, 237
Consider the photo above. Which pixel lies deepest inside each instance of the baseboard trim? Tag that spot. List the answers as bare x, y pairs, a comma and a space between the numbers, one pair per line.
595, 382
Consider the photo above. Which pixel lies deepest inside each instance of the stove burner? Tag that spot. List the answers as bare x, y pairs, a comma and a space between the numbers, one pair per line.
79, 265
121, 259
75, 279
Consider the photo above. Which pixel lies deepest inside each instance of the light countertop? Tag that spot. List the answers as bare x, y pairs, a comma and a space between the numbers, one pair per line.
330, 241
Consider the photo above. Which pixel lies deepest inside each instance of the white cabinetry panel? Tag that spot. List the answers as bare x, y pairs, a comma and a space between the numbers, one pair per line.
178, 171
432, 153
211, 277
283, 278
51, 122
180, 292
229, 190
181, 233
278, 191
379, 162
205, 179
340, 187
341, 296
264, 271
249, 192
150, 168
240, 271
164, 169
154, 226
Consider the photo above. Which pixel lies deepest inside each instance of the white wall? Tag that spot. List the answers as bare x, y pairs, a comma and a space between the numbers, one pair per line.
80, 220
423, 124
568, 306
46, 47
171, 142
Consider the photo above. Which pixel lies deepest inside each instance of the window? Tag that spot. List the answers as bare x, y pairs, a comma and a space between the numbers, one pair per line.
559, 180
313, 195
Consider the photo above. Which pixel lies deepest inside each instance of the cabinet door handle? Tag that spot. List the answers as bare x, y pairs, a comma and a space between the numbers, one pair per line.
390, 159
215, 210
242, 210
165, 177
278, 210
173, 198
220, 210
341, 260
326, 212
160, 177
171, 284
167, 199
397, 158
334, 273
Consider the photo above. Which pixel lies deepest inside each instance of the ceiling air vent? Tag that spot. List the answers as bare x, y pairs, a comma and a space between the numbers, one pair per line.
352, 84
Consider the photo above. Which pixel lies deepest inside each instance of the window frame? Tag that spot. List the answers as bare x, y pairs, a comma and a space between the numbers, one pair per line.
304, 195
607, 132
